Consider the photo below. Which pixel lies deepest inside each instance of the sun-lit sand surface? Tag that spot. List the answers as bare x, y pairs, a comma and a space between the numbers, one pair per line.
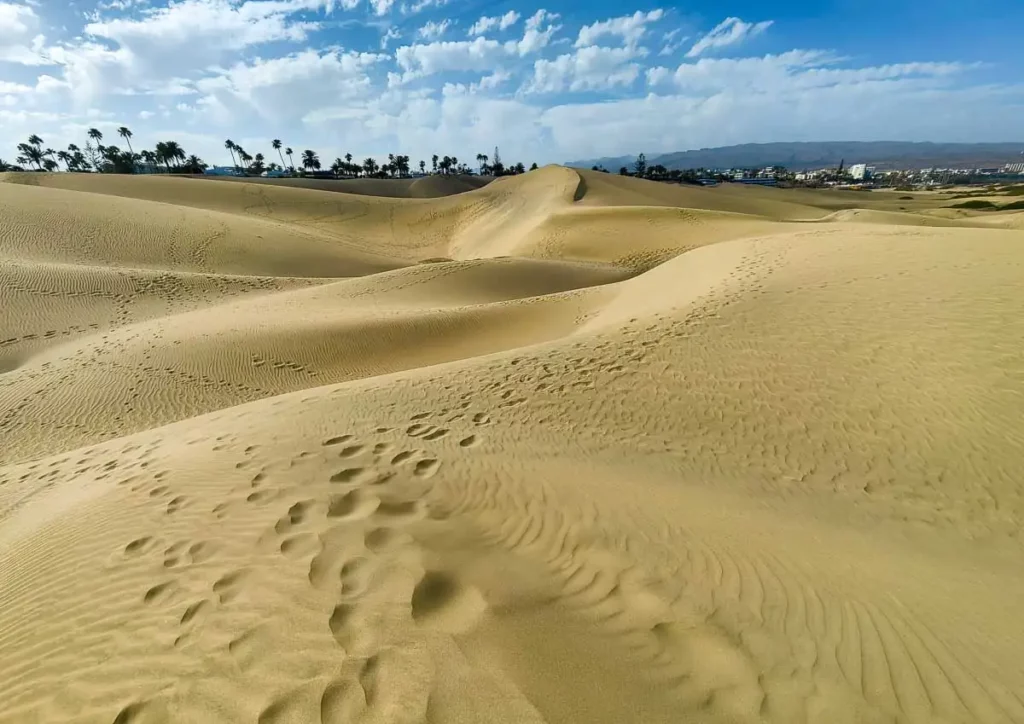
568, 447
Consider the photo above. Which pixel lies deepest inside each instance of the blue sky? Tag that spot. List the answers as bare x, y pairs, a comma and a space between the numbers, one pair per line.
547, 82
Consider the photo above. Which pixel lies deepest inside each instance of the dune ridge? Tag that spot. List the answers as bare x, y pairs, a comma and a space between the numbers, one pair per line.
568, 447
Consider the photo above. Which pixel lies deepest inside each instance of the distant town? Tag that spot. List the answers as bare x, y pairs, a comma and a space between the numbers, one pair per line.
854, 176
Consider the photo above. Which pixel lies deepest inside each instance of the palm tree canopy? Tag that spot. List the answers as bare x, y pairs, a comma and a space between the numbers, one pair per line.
35, 140
174, 150
95, 134
310, 160
288, 152
229, 144
276, 144
124, 132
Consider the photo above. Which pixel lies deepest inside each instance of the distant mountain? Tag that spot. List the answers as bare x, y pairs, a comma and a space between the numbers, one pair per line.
813, 155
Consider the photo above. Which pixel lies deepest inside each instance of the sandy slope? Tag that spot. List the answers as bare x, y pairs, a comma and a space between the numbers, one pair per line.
429, 187
684, 456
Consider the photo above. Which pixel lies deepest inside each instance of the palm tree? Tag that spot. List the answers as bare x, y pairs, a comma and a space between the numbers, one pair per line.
310, 160
276, 143
125, 133
339, 167
423, 166
31, 153
482, 158
246, 160
4, 166
288, 153
230, 146
50, 165
168, 151
94, 134
195, 165
370, 166
66, 158
35, 140
433, 160
258, 166
348, 158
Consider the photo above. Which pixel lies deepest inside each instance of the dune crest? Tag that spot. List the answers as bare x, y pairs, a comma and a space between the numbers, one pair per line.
564, 447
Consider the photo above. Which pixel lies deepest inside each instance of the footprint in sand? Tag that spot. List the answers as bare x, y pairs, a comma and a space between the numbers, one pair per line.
426, 468
159, 593
351, 451
176, 504
228, 586
295, 516
355, 504
138, 546
352, 475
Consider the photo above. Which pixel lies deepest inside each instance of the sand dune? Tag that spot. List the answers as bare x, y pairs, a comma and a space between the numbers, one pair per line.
621, 452
429, 187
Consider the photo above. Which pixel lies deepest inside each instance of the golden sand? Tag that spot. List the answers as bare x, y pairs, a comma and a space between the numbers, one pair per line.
567, 447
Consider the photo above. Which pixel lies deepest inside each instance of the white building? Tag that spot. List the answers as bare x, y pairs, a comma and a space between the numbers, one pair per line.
859, 171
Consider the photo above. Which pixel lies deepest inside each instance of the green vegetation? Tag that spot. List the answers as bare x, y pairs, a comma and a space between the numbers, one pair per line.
170, 157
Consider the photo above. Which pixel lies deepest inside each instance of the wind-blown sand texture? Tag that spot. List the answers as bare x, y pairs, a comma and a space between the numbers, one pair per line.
568, 447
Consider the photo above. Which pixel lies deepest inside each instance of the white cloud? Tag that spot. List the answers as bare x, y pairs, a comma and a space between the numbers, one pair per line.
20, 40
501, 22
381, 7
16, 21
388, 36
730, 31
658, 75
453, 55
534, 37
202, 24
628, 27
146, 115
421, 5
433, 30
286, 88
590, 68
8, 87
492, 81
671, 44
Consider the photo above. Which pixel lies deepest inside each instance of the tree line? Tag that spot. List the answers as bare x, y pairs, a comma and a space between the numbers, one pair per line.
170, 157
98, 157
658, 172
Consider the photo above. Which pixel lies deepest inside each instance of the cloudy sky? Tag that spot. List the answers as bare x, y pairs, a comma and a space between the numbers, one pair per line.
559, 81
